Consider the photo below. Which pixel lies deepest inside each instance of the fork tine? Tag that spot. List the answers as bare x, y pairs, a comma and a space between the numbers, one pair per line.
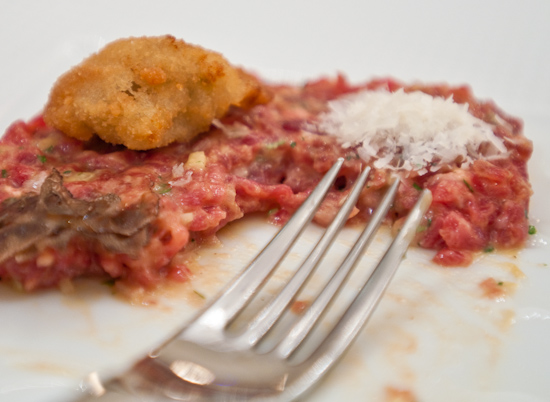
224, 309
360, 310
265, 319
302, 328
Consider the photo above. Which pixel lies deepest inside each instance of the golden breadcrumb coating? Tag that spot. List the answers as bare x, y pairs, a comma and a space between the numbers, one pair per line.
148, 92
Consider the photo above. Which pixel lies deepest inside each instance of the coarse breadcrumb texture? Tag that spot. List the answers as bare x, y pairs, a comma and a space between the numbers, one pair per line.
148, 92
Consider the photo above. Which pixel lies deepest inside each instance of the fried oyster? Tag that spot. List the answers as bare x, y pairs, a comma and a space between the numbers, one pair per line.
147, 92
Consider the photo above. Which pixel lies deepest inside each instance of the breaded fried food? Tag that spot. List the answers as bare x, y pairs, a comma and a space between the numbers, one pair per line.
148, 92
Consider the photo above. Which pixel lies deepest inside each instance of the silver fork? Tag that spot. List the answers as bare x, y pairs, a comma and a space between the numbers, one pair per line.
206, 361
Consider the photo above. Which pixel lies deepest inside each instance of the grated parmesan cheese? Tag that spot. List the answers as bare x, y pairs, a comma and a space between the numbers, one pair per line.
177, 170
410, 131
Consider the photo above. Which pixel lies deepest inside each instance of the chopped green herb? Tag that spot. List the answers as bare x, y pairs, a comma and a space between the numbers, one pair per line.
163, 188
468, 185
199, 294
292, 144
500, 283
421, 228
49, 149
109, 282
41, 158
4, 173
273, 211
532, 230
429, 222
489, 249
416, 186
67, 172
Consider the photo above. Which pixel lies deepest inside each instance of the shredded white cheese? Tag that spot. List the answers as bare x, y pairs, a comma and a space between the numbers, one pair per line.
235, 130
35, 182
181, 176
177, 170
410, 131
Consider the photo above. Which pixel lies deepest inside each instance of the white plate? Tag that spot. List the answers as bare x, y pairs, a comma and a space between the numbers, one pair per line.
434, 334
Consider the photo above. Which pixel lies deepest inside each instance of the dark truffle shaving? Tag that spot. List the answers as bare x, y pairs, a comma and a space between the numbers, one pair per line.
55, 213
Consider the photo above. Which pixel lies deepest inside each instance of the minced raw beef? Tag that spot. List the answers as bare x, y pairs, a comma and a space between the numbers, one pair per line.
71, 208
